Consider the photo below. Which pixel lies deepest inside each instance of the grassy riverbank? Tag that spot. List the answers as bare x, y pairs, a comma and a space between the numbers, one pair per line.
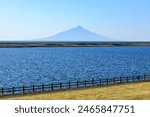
136, 91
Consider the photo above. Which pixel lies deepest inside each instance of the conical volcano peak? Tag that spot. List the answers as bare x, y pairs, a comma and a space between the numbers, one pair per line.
78, 28
77, 34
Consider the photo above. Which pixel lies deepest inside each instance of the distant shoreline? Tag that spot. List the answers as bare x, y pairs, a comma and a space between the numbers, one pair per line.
69, 44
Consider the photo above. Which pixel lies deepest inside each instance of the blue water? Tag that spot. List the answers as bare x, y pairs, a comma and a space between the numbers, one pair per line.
28, 66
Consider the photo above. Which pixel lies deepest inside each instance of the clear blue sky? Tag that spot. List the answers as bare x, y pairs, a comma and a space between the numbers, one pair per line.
119, 19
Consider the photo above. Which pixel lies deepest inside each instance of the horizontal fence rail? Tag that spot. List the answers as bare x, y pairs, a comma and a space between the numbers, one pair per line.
74, 84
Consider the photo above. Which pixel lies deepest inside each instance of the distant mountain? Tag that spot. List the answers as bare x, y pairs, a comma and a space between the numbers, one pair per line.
76, 34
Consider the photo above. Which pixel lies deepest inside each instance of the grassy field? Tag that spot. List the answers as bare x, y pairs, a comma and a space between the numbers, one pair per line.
136, 91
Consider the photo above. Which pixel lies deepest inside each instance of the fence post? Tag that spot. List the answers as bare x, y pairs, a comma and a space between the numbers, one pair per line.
69, 85
138, 77
33, 88
114, 80
92, 81
107, 81
77, 83
147, 77
144, 77
42, 87
23, 89
2, 91
52, 88
132, 78
120, 79
85, 83
127, 79
100, 81
13, 90
60, 85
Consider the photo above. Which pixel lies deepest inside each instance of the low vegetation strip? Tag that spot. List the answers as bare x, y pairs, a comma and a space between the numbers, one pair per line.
69, 44
133, 91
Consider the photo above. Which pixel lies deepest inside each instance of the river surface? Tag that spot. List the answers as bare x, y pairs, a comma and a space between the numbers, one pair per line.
34, 66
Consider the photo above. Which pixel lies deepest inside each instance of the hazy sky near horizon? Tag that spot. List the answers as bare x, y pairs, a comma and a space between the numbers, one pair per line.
118, 19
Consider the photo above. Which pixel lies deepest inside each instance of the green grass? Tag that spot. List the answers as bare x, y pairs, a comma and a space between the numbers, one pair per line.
135, 91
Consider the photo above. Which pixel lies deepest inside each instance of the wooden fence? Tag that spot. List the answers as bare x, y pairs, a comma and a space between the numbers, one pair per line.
71, 85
